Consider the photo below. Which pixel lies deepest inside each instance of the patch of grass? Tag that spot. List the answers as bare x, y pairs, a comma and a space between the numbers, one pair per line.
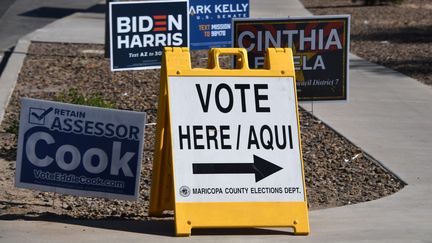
13, 128
74, 97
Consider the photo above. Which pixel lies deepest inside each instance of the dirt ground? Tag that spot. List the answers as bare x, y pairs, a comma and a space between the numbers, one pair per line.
397, 36
337, 172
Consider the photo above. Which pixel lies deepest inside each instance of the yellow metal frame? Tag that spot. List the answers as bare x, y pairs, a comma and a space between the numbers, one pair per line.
176, 62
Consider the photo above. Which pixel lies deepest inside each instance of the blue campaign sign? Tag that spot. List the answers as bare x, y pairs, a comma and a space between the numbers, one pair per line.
140, 30
79, 150
210, 21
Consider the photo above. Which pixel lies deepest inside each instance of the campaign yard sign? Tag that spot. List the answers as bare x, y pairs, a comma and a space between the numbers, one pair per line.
210, 22
320, 45
140, 30
79, 150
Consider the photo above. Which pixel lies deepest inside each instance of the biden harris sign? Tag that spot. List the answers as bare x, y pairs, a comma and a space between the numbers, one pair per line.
140, 30
79, 150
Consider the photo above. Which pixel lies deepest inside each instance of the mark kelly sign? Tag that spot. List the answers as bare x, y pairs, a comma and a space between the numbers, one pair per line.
211, 22
140, 30
320, 45
79, 150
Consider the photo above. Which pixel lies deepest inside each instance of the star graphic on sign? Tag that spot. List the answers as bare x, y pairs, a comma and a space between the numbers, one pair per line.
300, 73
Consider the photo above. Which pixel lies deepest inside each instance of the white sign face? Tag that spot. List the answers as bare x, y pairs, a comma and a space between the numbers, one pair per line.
235, 139
79, 150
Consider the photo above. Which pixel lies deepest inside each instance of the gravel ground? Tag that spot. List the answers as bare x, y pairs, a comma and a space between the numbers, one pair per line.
398, 36
337, 172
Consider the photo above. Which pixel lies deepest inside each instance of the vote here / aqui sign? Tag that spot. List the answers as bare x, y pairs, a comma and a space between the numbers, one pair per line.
235, 139
79, 150
228, 151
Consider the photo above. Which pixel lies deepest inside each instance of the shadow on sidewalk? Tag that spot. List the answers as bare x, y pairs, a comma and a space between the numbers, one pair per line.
161, 227
57, 13
361, 64
5, 59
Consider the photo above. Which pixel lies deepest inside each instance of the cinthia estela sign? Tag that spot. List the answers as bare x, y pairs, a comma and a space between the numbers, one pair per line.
320, 45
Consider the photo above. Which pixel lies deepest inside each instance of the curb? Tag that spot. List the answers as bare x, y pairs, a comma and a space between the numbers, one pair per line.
10, 74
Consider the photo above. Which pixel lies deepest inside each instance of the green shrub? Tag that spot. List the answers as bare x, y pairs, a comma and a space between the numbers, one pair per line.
71, 97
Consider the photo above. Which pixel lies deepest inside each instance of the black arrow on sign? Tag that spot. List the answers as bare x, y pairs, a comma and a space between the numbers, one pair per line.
260, 167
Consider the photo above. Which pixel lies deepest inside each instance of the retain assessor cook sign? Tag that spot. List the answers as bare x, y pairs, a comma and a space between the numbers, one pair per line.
140, 30
320, 45
79, 150
235, 139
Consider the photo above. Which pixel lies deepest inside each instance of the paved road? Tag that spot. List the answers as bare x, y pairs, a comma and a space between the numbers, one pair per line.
21, 17
5, 6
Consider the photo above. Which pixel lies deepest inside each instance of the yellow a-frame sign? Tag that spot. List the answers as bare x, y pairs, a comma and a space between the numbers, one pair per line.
228, 149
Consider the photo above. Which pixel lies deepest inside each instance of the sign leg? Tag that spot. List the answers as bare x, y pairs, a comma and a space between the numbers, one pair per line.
183, 227
301, 228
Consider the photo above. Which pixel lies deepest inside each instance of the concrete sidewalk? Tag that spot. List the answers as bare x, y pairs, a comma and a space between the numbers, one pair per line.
388, 115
